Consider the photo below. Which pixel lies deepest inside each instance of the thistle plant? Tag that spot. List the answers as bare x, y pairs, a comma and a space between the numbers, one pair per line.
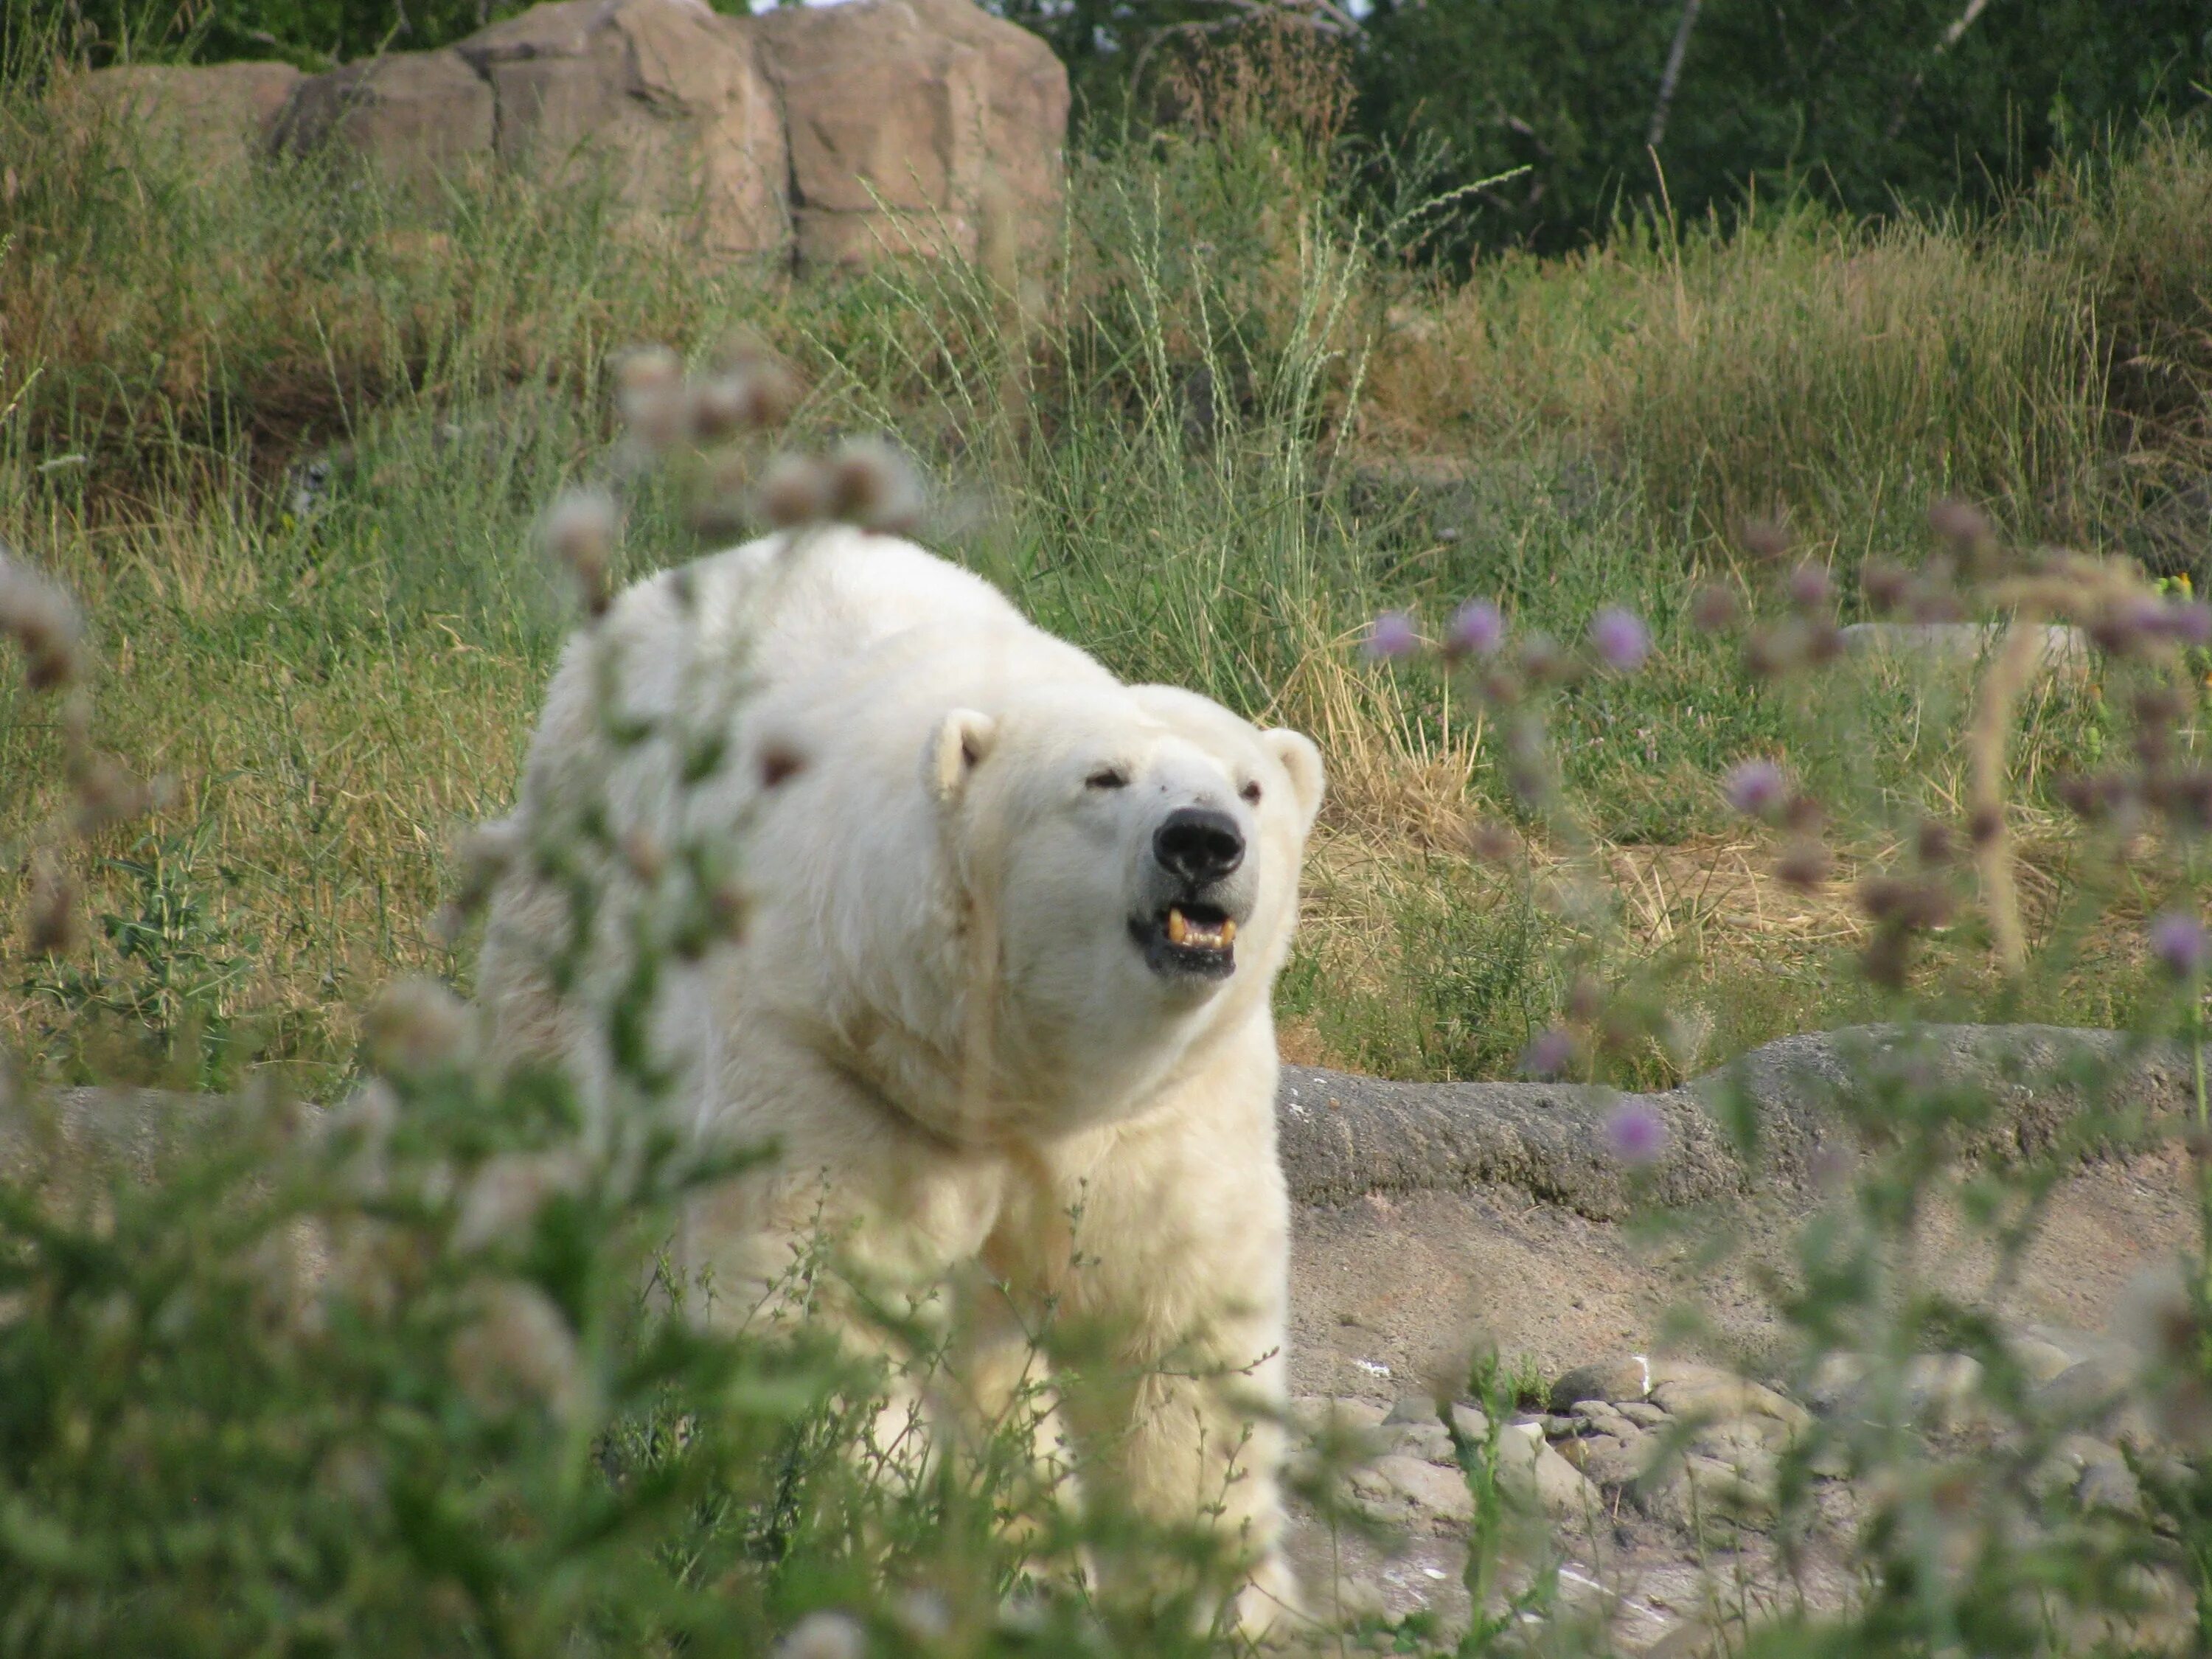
419, 1372
1962, 1544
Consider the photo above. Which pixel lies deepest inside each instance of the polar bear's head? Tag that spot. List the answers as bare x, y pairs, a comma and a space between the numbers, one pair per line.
1140, 848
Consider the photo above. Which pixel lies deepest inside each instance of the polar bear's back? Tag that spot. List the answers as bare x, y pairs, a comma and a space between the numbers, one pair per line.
833, 595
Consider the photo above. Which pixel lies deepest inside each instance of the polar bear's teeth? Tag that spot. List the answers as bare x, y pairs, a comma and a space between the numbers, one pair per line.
1199, 935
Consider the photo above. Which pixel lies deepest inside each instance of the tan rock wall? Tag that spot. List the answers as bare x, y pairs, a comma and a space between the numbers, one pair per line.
828, 135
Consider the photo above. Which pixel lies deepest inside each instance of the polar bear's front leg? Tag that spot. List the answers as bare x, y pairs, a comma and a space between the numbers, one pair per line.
1196, 1435
1181, 1234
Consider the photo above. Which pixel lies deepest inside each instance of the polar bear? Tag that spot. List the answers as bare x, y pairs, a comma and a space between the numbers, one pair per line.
1009, 931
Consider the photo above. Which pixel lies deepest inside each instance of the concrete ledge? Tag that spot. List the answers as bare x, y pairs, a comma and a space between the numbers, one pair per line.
2037, 1085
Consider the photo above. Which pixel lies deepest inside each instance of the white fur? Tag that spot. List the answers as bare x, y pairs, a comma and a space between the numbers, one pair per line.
936, 1010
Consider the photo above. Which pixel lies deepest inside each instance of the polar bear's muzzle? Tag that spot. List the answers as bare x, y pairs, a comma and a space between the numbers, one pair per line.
1190, 930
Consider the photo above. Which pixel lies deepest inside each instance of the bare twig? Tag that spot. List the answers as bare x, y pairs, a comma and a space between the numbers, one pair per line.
1671, 77
1952, 34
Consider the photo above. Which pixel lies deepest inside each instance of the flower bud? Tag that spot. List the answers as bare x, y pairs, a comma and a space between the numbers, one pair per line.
873, 486
1763, 540
796, 491
1549, 1055
1478, 629
1962, 525
650, 397
580, 533
1392, 637
45, 622
51, 924
1636, 1133
1714, 608
1808, 587
2179, 944
1621, 640
1756, 788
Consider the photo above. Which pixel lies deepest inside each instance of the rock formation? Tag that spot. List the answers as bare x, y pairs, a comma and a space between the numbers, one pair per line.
828, 135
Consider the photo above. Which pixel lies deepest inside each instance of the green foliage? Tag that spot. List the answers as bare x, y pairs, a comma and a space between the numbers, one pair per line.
179, 967
1866, 107
403, 1377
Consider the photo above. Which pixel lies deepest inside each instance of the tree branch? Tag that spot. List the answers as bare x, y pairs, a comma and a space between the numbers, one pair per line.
1959, 26
1672, 75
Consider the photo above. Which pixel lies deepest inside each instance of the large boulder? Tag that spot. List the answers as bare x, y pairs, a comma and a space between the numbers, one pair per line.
657, 98
658, 91
836, 132
914, 126
417, 116
215, 116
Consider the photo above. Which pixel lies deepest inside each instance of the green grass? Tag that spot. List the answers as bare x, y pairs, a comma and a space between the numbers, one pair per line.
1210, 444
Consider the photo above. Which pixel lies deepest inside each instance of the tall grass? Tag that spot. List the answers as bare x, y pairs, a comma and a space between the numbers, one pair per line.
288, 435
385, 1380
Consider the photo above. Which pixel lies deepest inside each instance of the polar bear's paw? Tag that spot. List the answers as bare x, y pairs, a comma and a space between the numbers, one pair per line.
1269, 1611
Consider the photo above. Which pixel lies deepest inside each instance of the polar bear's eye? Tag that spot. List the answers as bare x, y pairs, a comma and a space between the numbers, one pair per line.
1251, 793
1106, 777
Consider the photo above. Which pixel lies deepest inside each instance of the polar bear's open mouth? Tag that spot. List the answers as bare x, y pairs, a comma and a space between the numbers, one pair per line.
1187, 938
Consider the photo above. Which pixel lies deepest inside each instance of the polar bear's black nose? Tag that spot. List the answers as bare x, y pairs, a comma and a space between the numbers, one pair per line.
1198, 844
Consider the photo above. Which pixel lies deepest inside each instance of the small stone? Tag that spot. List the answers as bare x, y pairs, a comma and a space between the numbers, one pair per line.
2109, 1485
1830, 1461
1611, 1461
2040, 1360
1835, 1381
1628, 1377
1411, 1408
1559, 1428
1401, 1483
1431, 1442
1742, 1439
1312, 1412
2087, 1387
2076, 1345
1531, 1471
1945, 1390
1725, 1396
1641, 1412
1471, 1423
1708, 1490
1598, 1417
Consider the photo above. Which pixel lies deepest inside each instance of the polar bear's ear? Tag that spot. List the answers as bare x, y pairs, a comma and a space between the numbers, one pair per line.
1298, 755
962, 738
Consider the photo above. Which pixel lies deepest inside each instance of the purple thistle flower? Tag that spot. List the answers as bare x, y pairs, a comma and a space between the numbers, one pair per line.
1810, 586
1621, 639
1756, 788
2190, 622
1478, 629
1636, 1132
1549, 1055
2178, 939
1392, 636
